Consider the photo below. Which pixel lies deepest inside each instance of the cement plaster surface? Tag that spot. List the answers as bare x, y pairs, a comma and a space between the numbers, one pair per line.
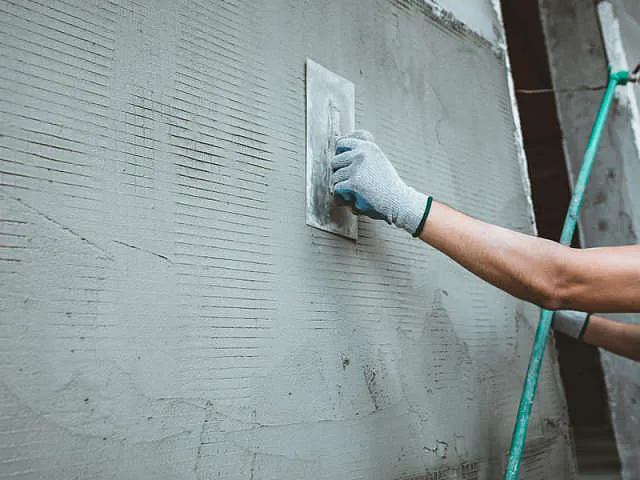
167, 313
628, 13
479, 16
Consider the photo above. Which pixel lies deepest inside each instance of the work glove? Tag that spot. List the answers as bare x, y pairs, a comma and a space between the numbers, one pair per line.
570, 322
364, 179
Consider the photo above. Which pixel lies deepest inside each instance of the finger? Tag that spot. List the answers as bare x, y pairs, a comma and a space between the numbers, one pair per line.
351, 141
343, 197
340, 175
344, 144
341, 160
363, 135
344, 186
362, 206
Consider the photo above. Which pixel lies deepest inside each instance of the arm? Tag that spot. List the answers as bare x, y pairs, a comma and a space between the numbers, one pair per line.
617, 337
538, 270
534, 269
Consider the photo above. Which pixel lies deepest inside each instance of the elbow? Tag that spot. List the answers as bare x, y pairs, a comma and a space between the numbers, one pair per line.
552, 299
546, 295
556, 292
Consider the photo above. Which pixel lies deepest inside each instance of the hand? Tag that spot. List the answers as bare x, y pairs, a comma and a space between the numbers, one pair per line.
364, 178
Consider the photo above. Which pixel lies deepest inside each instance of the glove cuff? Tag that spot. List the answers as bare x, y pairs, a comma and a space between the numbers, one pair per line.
413, 211
570, 322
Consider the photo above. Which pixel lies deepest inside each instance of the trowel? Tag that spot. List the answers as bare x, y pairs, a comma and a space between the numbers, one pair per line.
330, 113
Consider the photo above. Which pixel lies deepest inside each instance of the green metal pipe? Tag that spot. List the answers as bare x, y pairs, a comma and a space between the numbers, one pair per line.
542, 333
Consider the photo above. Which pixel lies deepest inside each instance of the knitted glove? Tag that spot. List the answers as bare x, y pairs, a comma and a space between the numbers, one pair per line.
364, 178
570, 322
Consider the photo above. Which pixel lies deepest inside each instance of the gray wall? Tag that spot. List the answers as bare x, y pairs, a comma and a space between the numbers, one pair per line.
628, 14
166, 313
611, 211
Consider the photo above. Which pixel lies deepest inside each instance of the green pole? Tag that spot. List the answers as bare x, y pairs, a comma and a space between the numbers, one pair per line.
542, 333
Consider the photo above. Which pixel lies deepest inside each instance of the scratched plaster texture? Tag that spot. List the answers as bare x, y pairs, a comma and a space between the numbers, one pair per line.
480, 16
611, 211
166, 313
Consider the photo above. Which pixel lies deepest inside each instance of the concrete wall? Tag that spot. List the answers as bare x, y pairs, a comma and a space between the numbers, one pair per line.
628, 14
611, 210
166, 313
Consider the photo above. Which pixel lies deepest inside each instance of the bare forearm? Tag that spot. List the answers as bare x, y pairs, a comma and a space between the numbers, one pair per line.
531, 268
617, 337
522, 265
537, 270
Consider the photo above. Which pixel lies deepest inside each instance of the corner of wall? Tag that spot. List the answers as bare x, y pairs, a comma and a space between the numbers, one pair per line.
518, 137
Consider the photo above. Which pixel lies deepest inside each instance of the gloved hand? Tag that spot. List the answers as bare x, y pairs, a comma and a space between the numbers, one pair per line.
570, 322
364, 178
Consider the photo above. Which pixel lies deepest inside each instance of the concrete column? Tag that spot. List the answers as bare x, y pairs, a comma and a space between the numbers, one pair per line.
611, 212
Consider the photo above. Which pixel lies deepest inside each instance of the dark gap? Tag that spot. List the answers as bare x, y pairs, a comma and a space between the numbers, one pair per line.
580, 367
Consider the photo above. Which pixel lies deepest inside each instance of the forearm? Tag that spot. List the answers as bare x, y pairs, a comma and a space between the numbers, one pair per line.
531, 268
546, 273
522, 265
617, 337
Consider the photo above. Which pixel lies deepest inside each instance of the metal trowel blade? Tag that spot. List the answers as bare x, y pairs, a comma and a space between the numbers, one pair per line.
330, 113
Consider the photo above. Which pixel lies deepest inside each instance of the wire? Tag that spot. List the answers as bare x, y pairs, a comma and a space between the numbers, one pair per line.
634, 78
560, 90
542, 333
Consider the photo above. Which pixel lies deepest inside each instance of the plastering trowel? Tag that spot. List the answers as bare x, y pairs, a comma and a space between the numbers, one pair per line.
330, 113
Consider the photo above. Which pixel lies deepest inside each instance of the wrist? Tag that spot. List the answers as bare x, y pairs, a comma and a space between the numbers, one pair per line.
413, 211
571, 322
